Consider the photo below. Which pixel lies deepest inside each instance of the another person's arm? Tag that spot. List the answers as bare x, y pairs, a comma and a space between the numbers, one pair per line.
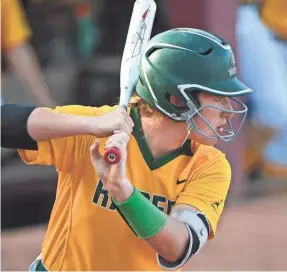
20, 55
23, 62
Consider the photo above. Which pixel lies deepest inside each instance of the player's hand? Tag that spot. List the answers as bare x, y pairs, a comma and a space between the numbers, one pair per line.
107, 124
113, 176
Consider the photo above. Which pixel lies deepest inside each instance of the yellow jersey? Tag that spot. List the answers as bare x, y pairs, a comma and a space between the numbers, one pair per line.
14, 26
86, 232
274, 15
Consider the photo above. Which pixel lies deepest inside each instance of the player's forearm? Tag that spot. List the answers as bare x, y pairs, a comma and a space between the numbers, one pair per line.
172, 240
44, 124
171, 243
24, 63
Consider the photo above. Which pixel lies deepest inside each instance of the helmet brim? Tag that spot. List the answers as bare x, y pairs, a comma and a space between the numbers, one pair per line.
232, 87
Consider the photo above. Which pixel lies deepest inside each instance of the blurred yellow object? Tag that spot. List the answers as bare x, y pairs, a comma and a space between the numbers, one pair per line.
253, 163
252, 160
250, 2
15, 29
274, 171
257, 137
274, 15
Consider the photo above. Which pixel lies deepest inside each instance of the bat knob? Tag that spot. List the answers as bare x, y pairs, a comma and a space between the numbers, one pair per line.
112, 156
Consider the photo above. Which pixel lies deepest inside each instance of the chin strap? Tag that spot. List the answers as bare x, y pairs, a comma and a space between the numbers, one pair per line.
187, 135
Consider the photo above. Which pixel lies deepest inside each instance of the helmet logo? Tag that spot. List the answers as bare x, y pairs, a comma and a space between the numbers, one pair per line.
232, 70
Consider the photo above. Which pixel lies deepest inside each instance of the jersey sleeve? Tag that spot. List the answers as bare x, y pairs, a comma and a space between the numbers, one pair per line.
15, 29
64, 152
207, 190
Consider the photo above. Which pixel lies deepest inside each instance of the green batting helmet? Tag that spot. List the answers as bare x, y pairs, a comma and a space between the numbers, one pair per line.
183, 61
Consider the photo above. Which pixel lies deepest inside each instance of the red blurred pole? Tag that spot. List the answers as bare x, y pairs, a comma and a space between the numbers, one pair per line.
187, 13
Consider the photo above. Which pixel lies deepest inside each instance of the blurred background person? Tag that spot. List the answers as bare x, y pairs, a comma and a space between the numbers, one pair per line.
19, 54
261, 33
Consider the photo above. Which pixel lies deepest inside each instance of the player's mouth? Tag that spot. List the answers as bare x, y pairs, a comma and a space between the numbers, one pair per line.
223, 130
219, 129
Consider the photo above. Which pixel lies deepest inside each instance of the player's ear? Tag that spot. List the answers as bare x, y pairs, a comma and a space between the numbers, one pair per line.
176, 102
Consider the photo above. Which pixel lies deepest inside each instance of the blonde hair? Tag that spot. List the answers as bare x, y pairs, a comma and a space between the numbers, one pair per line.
146, 110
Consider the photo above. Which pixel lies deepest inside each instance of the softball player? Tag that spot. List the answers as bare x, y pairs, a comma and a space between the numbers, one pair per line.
263, 61
161, 203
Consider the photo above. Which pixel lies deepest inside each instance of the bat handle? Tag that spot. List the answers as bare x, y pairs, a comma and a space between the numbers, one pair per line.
113, 155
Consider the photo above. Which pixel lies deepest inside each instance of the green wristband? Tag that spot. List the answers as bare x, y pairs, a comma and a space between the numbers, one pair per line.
143, 217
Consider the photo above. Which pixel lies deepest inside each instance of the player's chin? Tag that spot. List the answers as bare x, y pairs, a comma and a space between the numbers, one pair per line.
208, 141
205, 140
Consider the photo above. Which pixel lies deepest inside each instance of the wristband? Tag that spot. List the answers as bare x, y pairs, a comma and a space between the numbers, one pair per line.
143, 217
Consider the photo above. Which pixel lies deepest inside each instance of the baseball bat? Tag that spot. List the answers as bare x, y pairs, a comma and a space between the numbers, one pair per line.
137, 39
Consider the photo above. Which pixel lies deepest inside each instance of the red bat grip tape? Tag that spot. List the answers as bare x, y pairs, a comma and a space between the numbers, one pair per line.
112, 155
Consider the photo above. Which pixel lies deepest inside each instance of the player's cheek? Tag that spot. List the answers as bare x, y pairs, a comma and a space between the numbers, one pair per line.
202, 126
205, 128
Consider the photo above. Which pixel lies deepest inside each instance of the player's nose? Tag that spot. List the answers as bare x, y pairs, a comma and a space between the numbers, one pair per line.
228, 109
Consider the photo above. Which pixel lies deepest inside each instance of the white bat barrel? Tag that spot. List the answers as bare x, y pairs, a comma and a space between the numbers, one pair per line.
137, 39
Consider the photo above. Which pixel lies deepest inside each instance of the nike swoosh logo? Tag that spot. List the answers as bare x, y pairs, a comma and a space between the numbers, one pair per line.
180, 181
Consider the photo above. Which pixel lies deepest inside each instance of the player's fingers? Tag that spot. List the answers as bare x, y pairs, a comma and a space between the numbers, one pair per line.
95, 153
128, 128
116, 144
130, 122
117, 140
125, 127
119, 136
122, 110
121, 146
